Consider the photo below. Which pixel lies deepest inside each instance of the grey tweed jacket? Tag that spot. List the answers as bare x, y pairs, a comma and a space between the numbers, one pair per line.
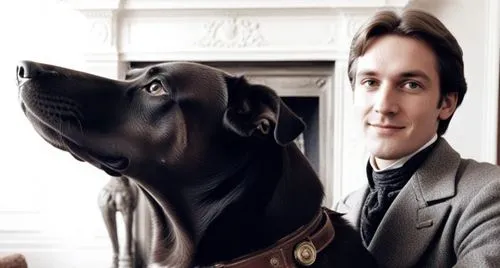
447, 215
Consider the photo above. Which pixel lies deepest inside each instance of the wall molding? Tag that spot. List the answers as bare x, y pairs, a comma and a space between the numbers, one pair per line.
491, 81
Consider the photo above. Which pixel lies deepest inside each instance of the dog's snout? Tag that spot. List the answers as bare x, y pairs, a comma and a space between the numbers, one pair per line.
28, 69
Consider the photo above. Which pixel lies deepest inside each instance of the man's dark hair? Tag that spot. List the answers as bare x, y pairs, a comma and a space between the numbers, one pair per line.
426, 28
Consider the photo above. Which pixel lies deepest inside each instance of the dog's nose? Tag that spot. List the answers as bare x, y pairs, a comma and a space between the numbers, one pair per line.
28, 69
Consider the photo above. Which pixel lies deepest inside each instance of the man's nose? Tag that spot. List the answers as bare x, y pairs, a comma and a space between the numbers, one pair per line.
386, 100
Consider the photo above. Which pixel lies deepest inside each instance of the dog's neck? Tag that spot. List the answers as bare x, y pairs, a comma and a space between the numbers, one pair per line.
280, 194
264, 196
250, 207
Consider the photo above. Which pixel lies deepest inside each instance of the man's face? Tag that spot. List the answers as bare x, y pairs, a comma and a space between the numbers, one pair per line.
396, 92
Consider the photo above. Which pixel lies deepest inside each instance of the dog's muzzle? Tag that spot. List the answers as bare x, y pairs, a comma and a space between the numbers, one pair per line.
28, 70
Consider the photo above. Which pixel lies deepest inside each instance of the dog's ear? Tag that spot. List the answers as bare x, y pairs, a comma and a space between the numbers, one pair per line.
258, 110
134, 73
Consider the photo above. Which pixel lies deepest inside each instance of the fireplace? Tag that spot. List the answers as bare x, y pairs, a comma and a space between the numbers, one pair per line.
298, 48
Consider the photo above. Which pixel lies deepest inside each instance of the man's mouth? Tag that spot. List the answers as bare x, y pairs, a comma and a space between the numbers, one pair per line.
386, 126
386, 129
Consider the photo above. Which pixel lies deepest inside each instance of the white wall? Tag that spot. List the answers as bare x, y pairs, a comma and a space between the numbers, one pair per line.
49, 200
469, 22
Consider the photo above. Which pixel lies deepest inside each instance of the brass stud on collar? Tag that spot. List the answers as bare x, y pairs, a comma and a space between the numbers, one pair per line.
275, 262
305, 253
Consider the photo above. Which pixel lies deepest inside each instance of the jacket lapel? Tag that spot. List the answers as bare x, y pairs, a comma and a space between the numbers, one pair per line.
418, 211
351, 207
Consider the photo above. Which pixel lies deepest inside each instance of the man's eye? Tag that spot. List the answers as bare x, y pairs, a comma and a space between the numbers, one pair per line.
369, 83
412, 85
156, 89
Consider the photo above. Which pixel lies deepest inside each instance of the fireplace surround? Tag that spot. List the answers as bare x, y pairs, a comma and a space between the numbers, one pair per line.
298, 48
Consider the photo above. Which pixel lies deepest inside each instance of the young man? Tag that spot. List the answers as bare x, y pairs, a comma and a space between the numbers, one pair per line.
424, 206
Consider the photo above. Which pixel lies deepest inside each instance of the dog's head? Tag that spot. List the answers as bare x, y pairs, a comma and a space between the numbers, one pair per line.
172, 114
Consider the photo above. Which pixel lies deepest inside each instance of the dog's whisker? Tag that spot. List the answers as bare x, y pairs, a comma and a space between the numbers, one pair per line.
74, 114
60, 136
80, 126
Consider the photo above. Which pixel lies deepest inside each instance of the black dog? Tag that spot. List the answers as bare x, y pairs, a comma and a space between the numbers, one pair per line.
212, 153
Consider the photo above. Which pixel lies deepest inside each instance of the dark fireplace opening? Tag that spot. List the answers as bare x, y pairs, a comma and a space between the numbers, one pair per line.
307, 108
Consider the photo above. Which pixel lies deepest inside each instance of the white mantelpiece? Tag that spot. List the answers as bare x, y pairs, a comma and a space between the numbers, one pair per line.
210, 30
242, 31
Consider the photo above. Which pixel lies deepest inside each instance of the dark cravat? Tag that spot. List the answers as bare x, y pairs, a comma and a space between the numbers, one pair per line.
384, 187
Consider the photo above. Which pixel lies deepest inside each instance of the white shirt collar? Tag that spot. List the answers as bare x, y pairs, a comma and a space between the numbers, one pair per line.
400, 162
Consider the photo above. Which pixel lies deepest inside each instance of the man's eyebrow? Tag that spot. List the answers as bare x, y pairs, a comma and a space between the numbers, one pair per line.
367, 73
415, 73
405, 74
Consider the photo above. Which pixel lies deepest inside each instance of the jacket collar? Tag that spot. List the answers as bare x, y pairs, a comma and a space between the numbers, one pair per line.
418, 211
436, 179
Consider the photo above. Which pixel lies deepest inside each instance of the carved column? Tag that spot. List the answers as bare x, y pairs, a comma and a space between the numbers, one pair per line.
102, 52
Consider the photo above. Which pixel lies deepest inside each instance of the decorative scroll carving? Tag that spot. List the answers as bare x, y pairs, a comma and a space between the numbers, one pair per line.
100, 28
99, 14
99, 31
333, 33
232, 32
320, 82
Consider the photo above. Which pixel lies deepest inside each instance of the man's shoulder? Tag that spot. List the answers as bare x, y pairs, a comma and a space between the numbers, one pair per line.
351, 204
469, 164
473, 175
467, 170
351, 200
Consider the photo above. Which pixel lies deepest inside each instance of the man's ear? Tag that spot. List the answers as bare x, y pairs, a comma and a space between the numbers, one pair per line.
256, 110
448, 105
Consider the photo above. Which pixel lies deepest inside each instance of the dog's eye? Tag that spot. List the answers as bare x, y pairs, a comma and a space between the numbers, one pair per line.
156, 89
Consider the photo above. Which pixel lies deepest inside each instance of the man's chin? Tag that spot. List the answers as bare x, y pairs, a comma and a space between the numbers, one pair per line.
388, 151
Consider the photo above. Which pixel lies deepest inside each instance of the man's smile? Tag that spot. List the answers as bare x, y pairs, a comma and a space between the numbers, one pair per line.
385, 129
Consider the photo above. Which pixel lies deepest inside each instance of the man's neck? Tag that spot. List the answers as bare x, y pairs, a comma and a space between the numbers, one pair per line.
382, 164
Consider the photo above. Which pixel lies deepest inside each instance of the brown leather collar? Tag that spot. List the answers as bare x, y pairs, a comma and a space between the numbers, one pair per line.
300, 247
